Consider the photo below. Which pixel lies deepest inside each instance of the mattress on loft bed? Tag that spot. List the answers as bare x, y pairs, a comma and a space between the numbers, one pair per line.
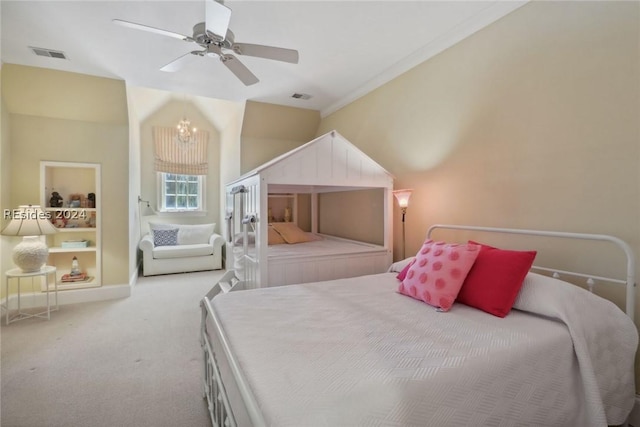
319, 245
323, 245
356, 352
323, 258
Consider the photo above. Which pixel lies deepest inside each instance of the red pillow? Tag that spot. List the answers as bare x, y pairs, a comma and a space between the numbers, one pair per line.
403, 272
495, 279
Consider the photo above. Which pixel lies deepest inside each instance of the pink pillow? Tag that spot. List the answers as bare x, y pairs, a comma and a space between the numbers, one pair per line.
438, 271
494, 281
403, 272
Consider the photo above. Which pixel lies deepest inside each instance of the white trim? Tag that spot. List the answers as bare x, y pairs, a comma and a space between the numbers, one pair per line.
485, 17
71, 296
161, 187
97, 209
133, 280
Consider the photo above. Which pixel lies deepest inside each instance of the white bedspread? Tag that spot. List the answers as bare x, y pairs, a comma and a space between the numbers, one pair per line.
605, 342
354, 352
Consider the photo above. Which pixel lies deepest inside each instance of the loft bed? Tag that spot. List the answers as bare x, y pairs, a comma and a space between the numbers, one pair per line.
356, 352
267, 197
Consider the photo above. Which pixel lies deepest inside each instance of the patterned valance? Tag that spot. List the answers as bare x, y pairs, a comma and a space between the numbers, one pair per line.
175, 156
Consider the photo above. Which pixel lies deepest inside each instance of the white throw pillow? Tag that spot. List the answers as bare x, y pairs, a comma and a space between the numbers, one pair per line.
161, 226
193, 234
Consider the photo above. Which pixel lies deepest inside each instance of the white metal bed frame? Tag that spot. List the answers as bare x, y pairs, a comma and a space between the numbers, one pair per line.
217, 393
629, 281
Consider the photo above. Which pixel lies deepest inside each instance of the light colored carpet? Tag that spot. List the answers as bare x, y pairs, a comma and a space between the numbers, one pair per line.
129, 362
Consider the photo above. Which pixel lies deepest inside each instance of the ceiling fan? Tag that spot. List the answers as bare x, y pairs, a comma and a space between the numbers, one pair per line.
214, 37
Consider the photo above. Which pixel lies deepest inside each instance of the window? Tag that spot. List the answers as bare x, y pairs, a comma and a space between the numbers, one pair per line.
181, 193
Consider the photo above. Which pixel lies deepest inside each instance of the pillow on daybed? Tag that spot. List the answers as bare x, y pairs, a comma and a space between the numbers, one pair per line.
168, 237
188, 234
494, 281
291, 233
161, 226
193, 234
438, 271
274, 238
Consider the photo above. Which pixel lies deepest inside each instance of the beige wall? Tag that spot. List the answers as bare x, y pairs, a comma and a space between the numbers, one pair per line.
230, 156
6, 244
357, 215
269, 130
533, 122
61, 116
134, 184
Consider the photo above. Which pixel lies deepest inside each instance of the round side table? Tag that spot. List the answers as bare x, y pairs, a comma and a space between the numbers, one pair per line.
16, 273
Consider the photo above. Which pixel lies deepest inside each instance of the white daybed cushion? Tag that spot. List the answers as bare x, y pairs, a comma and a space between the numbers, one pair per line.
189, 234
355, 352
165, 252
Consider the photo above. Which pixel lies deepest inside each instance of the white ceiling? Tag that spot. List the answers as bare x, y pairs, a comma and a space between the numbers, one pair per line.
347, 48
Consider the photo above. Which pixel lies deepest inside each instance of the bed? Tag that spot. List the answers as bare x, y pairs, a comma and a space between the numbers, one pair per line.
269, 195
322, 257
354, 351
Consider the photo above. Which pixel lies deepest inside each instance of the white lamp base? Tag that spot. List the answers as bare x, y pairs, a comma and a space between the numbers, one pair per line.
30, 254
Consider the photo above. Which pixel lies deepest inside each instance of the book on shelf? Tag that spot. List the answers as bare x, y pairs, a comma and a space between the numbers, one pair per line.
81, 243
67, 278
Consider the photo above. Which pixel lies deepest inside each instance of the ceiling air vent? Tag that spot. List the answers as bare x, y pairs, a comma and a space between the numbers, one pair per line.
301, 96
48, 52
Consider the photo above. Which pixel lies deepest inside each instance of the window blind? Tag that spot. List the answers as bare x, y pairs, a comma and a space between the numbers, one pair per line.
175, 156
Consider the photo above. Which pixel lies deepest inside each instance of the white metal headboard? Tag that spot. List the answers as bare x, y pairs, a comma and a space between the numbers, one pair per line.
630, 279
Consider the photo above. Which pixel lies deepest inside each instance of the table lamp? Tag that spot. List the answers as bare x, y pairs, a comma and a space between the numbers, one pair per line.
31, 222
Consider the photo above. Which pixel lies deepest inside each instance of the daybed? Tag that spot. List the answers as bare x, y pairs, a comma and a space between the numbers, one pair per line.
357, 352
329, 163
180, 248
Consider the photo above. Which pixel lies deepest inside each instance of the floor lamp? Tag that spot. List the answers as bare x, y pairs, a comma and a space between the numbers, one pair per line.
402, 196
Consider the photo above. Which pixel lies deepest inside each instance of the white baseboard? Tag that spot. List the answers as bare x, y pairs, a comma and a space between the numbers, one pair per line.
133, 280
69, 296
634, 418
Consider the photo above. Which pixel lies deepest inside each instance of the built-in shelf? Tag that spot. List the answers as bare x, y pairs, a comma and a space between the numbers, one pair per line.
53, 250
77, 230
81, 182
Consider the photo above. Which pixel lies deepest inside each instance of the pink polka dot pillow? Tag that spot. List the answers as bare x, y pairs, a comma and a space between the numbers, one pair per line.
438, 271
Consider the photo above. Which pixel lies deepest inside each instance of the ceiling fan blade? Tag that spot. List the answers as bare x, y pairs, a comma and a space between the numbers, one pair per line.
217, 17
181, 61
268, 52
239, 69
152, 30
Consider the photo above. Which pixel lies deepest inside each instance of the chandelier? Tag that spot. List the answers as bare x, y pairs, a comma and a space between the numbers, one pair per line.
185, 131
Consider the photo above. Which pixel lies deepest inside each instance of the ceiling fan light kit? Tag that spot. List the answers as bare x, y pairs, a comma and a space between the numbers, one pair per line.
213, 36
